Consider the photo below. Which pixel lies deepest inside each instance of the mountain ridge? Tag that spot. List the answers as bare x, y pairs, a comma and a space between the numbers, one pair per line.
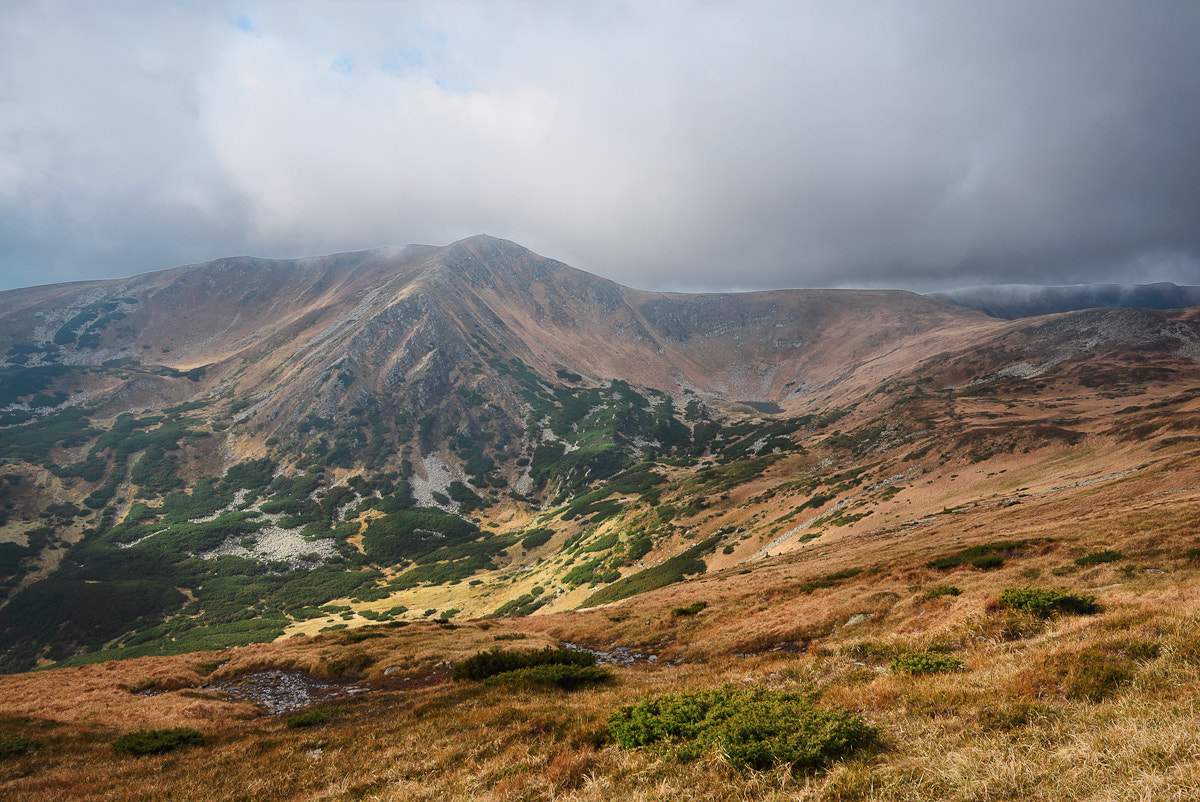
543, 427
1013, 301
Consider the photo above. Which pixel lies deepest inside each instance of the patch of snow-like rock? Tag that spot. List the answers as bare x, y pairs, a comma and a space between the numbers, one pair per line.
276, 544
437, 479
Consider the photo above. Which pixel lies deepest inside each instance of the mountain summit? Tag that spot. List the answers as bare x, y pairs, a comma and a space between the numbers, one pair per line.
234, 451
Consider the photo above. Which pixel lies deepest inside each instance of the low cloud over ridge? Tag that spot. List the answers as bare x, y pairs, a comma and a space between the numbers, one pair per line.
665, 145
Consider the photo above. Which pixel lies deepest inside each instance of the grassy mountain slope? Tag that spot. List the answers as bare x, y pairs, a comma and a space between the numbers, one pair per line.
976, 536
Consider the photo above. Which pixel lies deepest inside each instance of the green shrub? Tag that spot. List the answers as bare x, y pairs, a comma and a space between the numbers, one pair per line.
566, 677
536, 537
665, 573
309, 718
13, 744
153, 742
1044, 602
827, 581
499, 661
752, 728
523, 605
639, 546
984, 556
1098, 558
925, 663
938, 591
691, 609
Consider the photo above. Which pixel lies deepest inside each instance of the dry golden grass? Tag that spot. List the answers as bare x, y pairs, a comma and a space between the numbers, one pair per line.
1103, 707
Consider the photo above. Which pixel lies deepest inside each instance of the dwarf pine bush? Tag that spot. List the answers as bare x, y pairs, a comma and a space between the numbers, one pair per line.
153, 742
565, 677
751, 728
310, 718
925, 663
1044, 602
499, 661
13, 744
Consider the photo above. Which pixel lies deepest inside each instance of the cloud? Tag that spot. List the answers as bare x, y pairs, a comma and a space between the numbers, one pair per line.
687, 145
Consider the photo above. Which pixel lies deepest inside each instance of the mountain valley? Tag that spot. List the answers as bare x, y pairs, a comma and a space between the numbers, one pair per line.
367, 467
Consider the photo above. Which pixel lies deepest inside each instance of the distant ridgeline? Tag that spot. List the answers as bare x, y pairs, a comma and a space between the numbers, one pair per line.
1012, 301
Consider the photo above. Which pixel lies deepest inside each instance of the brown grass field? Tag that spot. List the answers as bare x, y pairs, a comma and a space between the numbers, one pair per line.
1074, 707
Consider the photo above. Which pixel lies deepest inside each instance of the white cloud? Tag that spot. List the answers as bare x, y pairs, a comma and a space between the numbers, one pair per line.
660, 143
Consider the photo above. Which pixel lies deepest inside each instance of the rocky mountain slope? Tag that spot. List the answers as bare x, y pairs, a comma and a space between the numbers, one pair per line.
232, 452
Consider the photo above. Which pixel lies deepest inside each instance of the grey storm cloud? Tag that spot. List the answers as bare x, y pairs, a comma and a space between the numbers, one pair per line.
666, 145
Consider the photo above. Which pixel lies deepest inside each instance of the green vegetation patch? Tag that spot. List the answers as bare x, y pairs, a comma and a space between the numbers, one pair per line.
1099, 558
690, 610
925, 663
497, 661
752, 728
414, 534
666, 573
523, 605
310, 718
536, 537
153, 742
1044, 602
939, 591
12, 743
563, 677
592, 572
985, 556
828, 581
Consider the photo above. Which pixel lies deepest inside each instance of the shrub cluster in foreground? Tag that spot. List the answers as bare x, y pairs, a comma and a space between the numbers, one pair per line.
14, 744
751, 728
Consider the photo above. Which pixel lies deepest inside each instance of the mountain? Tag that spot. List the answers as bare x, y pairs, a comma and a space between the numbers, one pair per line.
348, 527
1012, 301
247, 449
